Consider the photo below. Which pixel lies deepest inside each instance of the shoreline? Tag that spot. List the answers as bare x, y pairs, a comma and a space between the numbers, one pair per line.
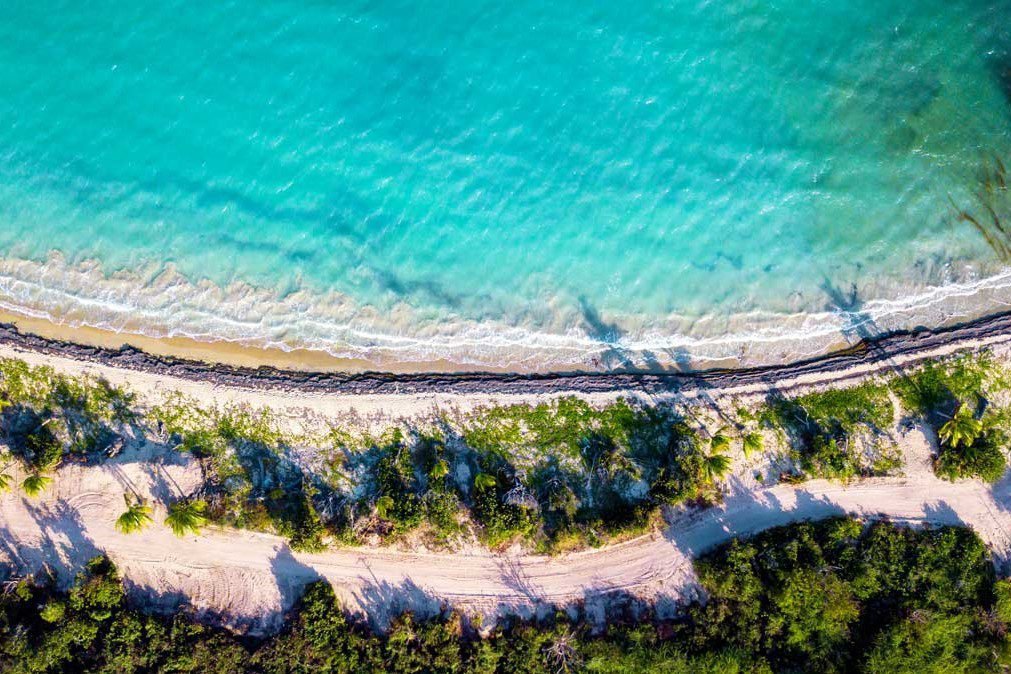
165, 313
870, 355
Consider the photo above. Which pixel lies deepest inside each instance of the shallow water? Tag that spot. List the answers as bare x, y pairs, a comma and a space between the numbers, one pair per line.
505, 184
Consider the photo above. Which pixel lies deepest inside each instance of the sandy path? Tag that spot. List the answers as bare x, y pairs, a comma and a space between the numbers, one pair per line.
246, 579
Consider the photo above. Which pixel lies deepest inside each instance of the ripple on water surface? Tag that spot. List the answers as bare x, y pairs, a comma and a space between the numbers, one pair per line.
510, 185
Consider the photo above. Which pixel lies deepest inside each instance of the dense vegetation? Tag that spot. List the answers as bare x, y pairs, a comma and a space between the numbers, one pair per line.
956, 398
835, 596
555, 476
845, 432
837, 433
559, 474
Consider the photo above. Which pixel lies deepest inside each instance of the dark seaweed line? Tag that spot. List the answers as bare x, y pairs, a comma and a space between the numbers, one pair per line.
876, 351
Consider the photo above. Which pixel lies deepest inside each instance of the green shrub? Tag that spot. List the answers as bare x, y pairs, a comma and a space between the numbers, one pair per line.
983, 458
936, 387
931, 642
825, 427
501, 522
53, 611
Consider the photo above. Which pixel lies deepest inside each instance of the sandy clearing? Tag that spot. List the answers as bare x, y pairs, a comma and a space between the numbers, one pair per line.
246, 580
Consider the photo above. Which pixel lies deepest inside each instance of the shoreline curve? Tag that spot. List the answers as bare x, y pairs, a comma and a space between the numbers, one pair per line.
872, 354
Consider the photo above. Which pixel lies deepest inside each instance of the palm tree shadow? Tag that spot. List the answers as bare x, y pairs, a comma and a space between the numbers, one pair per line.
382, 602
699, 532
291, 576
515, 578
850, 307
608, 334
859, 326
63, 548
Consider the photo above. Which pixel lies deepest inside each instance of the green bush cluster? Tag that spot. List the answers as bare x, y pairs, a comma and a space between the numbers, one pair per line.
833, 596
952, 398
251, 480
829, 431
572, 474
839, 433
934, 389
46, 414
983, 457
561, 474
410, 484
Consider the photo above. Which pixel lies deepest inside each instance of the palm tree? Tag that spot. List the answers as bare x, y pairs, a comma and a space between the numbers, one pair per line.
485, 481
186, 517
720, 443
136, 517
439, 470
715, 466
752, 443
961, 429
35, 483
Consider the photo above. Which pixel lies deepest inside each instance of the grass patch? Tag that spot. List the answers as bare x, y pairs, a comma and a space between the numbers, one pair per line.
837, 433
955, 398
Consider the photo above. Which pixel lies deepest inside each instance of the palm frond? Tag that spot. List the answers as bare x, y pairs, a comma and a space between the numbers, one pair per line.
35, 484
187, 517
136, 517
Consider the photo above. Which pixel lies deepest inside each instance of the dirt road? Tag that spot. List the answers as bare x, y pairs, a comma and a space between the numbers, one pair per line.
246, 579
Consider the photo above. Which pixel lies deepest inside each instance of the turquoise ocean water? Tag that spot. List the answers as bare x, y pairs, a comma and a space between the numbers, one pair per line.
519, 184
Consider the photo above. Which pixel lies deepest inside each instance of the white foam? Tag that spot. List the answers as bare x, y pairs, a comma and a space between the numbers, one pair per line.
163, 303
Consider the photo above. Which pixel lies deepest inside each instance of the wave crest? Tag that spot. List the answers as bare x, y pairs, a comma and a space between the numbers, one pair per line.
160, 302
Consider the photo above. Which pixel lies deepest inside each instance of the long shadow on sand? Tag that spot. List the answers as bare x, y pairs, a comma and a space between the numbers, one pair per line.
62, 550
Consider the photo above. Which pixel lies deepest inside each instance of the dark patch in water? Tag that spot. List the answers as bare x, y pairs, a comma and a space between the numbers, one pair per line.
1001, 67
921, 93
416, 288
291, 255
902, 138
605, 333
596, 327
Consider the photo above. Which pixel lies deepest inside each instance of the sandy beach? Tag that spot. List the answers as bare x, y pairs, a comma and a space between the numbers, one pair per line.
874, 353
